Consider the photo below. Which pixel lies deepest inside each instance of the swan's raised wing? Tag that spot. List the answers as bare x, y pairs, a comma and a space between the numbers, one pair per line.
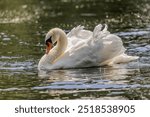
78, 35
100, 31
108, 45
79, 32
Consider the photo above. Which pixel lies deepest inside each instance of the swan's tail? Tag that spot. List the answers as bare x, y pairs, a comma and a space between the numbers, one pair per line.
124, 58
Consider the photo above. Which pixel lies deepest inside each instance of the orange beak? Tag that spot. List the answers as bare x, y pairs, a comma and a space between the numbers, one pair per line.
48, 47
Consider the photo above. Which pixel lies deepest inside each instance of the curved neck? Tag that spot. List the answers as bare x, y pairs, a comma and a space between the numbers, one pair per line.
60, 47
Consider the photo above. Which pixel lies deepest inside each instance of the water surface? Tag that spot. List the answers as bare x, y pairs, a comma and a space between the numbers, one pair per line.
23, 25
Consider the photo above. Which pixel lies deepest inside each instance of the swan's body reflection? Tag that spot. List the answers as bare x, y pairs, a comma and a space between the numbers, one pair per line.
84, 81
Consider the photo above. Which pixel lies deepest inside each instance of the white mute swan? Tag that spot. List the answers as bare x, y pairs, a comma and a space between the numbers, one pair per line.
82, 48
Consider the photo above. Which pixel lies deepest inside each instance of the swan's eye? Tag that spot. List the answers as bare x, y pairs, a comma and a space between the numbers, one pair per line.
55, 43
49, 40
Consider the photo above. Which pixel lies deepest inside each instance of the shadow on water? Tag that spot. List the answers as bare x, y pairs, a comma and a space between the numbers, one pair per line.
23, 25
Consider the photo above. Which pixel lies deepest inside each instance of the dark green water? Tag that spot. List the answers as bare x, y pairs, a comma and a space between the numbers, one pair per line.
23, 24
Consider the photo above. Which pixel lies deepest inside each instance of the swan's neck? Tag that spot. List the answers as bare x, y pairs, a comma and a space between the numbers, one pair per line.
60, 48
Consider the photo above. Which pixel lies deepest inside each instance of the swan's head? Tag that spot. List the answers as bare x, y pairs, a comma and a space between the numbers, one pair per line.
51, 39
53, 36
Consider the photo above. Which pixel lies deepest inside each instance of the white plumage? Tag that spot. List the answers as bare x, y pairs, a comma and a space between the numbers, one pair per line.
83, 48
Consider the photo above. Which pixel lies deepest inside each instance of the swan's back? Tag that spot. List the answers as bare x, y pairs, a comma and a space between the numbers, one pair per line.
98, 47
